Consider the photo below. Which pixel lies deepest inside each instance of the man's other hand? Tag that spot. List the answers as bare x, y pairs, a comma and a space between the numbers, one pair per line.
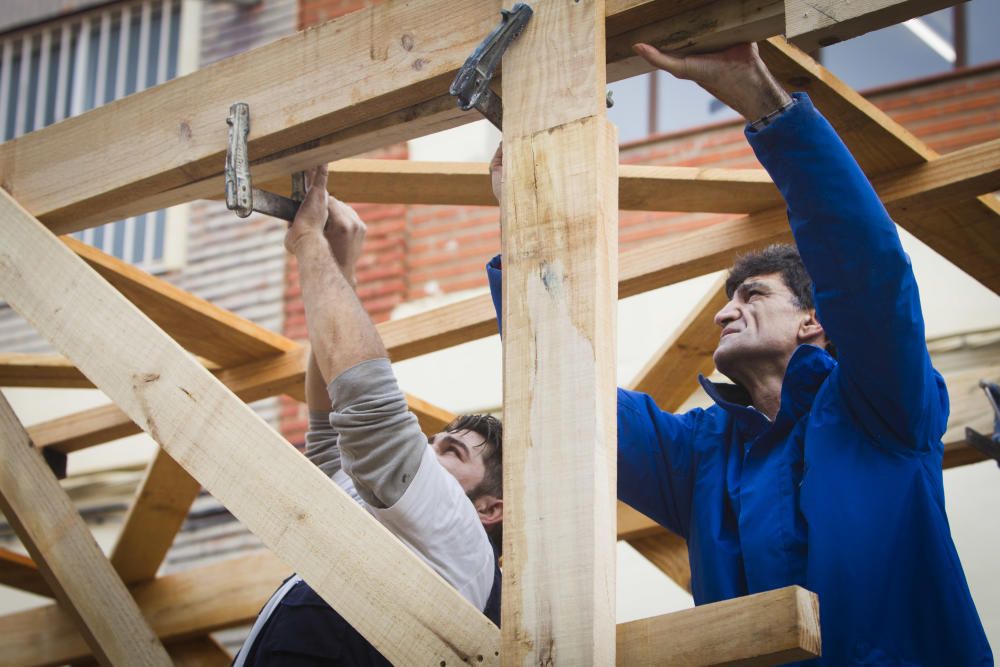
345, 232
737, 77
312, 214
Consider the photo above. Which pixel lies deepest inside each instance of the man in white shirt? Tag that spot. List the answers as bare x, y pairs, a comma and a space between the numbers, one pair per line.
442, 497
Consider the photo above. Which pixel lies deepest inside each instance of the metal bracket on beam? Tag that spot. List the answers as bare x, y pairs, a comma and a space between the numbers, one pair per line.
241, 196
472, 83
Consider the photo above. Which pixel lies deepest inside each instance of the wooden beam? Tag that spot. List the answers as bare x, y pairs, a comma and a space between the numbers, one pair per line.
199, 326
40, 370
20, 572
640, 187
769, 628
156, 515
966, 231
67, 555
811, 24
385, 591
668, 552
199, 652
560, 264
179, 606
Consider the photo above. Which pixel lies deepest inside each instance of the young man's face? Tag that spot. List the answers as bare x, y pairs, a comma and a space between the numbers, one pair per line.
461, 455
761, 323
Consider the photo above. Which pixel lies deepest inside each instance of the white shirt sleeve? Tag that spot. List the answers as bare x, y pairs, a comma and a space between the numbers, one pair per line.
438, 522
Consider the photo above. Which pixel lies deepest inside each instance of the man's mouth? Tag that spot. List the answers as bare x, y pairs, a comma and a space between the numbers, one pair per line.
726, 332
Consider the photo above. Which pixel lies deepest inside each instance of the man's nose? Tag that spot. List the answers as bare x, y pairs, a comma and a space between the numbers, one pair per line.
728, 313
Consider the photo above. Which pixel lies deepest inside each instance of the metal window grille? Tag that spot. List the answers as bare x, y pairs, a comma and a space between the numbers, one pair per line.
63, 68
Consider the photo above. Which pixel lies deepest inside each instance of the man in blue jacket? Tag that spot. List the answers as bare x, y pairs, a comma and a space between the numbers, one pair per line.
820, 466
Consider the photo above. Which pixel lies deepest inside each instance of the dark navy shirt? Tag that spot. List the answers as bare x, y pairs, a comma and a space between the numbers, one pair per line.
842, 494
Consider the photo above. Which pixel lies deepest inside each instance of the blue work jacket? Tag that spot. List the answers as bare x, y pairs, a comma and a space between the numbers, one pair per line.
842, 494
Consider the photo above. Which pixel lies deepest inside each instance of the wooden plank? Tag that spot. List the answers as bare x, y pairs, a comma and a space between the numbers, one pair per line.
67, 555
769, 628
641, 187
20, 572
811, 24
179, 606
966, 231
668, 552
404, 608
560, 262
160, 506
201, 327
40, 370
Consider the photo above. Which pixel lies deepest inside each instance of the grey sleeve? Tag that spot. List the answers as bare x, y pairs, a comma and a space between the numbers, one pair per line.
322, 443
381, 444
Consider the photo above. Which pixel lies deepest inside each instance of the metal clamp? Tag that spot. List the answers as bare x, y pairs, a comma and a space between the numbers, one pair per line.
472, 83
988, 445
241, 196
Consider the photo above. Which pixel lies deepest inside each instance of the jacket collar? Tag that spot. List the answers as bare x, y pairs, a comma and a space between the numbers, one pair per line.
807, 369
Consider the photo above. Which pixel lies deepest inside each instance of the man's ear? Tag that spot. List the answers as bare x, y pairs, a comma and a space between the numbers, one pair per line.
490, 509
810, 330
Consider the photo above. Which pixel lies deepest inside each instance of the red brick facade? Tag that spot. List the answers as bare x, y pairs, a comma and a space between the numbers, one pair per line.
417, 251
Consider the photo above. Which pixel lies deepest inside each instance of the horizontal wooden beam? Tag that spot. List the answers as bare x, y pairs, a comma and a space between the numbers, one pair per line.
67, 555
182, 605
394, 599
811, 24
769, 628
202, 328
40, 370
640, 187
20, 572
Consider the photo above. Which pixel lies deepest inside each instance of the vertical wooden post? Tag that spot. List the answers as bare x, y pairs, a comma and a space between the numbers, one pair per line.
560, 256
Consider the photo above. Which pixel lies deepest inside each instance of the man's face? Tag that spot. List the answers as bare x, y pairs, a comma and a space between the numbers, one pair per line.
461, 454
760, 324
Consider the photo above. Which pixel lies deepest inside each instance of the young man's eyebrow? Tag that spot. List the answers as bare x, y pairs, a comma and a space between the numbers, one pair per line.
455, 441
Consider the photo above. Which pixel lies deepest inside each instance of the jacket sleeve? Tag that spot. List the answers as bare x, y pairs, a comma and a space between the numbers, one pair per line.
865, 291
655, 459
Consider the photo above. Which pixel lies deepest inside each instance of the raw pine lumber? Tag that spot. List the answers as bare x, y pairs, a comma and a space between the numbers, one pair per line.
68, 556
179, 606
199, 326
199, 652
384, 590
160, 506
810, 24
560, 264
769, 628
965, 230
40, 370
20, 572
640, 187
668, 552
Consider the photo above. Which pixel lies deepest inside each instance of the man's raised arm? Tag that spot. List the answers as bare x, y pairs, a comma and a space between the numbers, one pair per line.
866, 294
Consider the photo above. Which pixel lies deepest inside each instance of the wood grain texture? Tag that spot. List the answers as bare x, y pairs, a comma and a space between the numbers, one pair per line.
40, 370
155, 516
199, 652
769, 628
560, 263
67, 555
179, 606
811, 24
404, 609
20, 572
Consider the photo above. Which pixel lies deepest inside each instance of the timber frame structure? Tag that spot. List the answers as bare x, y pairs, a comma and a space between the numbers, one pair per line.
383, 78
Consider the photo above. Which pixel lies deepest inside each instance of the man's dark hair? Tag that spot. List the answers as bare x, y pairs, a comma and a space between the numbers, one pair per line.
783, 259
778, 258
491, 430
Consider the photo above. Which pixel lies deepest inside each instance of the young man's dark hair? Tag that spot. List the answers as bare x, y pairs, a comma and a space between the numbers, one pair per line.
491, 430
